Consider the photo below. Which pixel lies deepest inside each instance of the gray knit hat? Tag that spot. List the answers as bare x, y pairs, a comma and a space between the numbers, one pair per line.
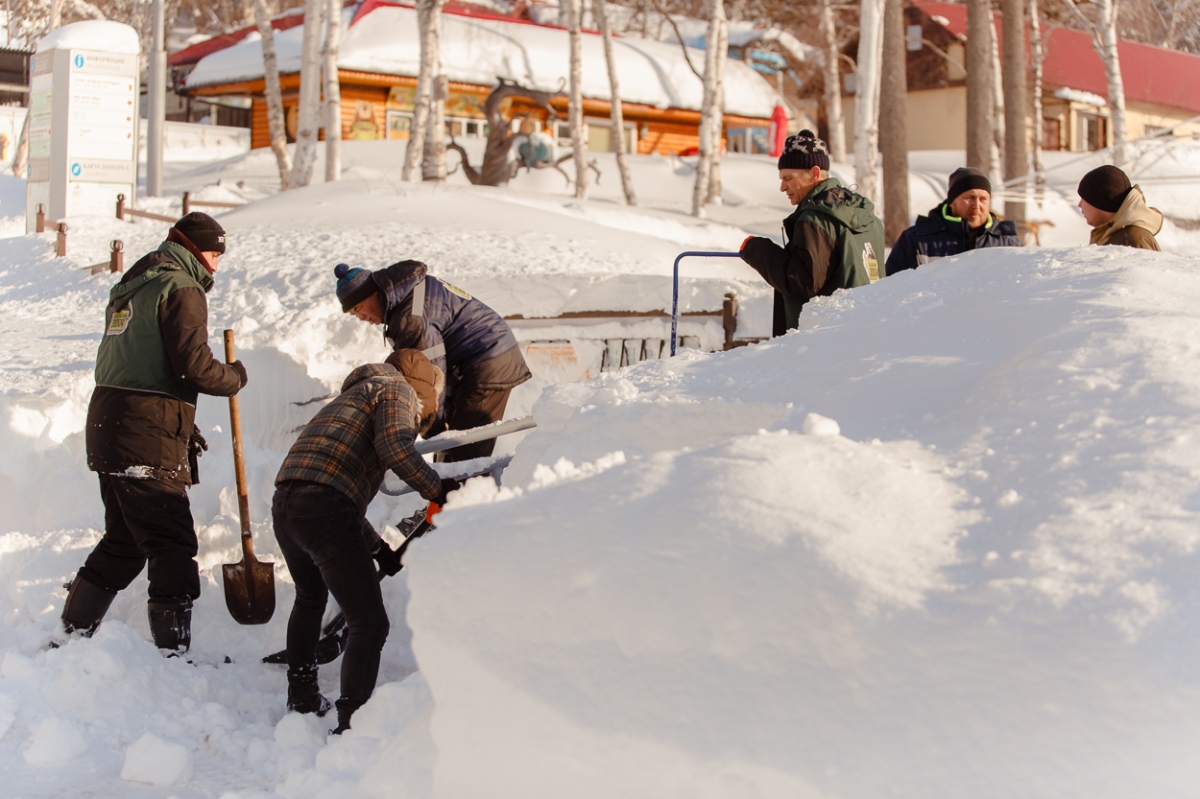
804, 150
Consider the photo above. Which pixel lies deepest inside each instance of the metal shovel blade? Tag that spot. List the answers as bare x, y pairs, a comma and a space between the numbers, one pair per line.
250, 590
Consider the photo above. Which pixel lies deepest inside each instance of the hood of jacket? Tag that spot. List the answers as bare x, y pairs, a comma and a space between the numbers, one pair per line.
175, 257
1133, 212
397, 281
831, 198
366, 372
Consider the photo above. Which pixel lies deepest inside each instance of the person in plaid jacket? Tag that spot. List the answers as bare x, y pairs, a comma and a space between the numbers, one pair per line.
328, 478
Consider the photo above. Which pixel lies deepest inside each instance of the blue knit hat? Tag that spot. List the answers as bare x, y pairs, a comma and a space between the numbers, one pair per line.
354, 285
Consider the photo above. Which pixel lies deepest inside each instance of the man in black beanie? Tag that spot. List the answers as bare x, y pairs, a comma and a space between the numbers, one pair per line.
833, 240
963, 222
1117, 210
153, 363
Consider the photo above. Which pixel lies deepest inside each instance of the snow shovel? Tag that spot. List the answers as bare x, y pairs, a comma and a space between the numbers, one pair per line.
249, 585
675, 286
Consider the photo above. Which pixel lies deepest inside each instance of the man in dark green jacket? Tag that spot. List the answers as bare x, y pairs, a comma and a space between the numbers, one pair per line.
153, 363
833, 238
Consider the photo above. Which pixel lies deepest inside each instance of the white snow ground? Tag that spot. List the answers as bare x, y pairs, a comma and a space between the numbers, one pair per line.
939, 542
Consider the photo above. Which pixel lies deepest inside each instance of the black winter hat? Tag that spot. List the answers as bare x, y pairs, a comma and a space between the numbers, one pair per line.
1105, 187
804, 150
354, 285
203, 231
966, 178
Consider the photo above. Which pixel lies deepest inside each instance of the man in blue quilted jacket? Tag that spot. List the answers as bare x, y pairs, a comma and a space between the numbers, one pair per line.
464, 338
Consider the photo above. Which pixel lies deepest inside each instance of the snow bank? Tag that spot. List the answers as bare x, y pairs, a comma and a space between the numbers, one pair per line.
116, 37
153, 761
981, 586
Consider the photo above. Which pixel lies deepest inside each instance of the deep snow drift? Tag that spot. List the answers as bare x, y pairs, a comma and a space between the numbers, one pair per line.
939, 542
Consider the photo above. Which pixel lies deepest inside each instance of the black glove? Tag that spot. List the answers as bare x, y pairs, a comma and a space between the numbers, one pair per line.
449, 485
388, 559
197, 446
241, 370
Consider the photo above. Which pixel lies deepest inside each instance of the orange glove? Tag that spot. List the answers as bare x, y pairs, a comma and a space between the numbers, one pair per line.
433, 510
743, 247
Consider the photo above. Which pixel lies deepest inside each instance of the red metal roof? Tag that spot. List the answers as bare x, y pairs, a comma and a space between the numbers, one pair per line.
1150, 74
191, 55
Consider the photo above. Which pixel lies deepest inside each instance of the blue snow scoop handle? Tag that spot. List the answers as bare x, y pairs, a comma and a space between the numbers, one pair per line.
675, 286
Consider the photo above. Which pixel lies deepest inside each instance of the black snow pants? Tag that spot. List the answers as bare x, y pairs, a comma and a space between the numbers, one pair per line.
146, 522
319, 531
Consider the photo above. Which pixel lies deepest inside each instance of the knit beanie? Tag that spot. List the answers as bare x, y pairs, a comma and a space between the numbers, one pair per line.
1105, 187
804, 150
203, 231
966, 178
354, 285
426, 380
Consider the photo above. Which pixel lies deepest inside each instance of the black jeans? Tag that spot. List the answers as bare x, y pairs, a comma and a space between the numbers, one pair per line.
145, 521
319, 531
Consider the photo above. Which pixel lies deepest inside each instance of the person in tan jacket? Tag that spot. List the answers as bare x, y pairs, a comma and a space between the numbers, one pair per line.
1117, 211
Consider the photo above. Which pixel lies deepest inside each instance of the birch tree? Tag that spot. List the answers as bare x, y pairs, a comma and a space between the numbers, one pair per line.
979, 84
996, 150
433, 164
893, 122
715, 196
575, 98
333, 93
710, 112
275, 122
309, 112
833, 84
428, 12
1039, 56
866, 99
1016, 161
617, 114
1104, 39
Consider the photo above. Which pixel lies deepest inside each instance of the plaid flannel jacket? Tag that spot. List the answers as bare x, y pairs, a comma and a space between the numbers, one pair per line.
366, 430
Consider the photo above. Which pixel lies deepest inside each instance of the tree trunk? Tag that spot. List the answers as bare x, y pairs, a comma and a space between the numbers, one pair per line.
1039, 55
996, 151
715, 194
1105, 38
428, 12
1016, 159
21, 156
833, 85
866, 99
617, 114
575, 99
433, 166
56, 7
709, 110
979, 84
275, 122
309, 113
333, 94
893, 122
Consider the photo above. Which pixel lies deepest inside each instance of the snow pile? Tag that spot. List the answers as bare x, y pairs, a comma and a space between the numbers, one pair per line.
157, 762
990, 565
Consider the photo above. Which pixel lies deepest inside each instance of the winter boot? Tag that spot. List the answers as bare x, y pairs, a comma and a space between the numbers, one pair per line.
304, 694
171, 624
85, 606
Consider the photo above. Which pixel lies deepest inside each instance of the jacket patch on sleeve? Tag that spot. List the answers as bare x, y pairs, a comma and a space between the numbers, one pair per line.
870, 261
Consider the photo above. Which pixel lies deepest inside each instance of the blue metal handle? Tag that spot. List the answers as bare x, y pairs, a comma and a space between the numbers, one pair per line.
675, 286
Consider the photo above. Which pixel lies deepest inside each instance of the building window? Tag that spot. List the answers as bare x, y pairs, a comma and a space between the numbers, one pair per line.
1052, 133
1092, 132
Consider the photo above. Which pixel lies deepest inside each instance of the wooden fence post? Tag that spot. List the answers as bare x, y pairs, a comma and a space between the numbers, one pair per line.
117, 259
729, 310
121, 207
40, 225
187, 203
60, 245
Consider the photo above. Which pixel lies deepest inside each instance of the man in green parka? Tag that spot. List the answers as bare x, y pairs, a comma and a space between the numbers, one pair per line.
153, 363
833, 238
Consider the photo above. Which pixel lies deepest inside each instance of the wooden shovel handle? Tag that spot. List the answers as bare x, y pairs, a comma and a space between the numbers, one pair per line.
239, 465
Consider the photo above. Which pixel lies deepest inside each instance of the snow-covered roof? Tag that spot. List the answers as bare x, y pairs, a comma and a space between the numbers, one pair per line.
383, 40
93, 34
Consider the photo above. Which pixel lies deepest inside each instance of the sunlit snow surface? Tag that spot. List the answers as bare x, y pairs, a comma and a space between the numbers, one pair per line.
939, 542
